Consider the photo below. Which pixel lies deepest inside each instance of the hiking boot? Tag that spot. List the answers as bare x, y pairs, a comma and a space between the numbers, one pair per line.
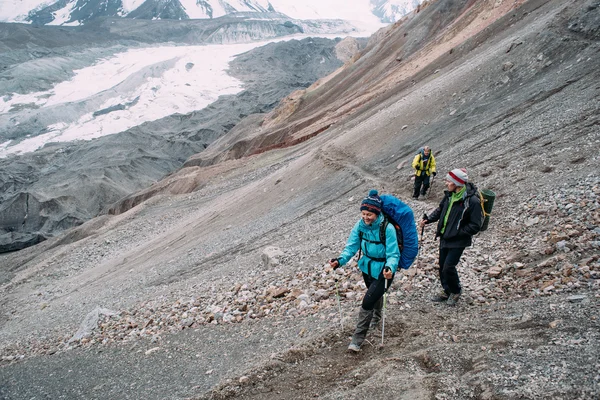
453, 299
362, 327
354, 348
440, 297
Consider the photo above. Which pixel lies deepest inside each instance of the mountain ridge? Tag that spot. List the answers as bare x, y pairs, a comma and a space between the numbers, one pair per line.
80, 12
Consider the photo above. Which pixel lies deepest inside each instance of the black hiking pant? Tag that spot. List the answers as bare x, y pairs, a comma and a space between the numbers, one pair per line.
375, 290
449, 258
421, 184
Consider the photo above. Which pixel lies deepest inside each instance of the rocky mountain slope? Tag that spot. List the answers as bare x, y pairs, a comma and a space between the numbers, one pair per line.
214, 285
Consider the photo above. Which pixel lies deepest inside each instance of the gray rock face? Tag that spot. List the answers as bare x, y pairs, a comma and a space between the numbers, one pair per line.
62, 186
85, 11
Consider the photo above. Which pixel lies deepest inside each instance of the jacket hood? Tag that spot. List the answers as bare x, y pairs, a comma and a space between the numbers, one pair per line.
471, 189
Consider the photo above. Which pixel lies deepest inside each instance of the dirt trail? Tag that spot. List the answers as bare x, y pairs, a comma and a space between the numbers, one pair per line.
426, 345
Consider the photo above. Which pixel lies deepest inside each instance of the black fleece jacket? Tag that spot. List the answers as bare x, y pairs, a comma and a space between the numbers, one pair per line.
464, 221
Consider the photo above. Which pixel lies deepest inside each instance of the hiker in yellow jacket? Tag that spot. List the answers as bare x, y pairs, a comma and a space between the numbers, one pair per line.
424, 165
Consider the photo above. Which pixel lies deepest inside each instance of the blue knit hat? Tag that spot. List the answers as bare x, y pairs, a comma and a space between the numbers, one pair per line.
372, 203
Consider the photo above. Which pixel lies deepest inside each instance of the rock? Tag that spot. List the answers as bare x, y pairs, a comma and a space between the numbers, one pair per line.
321, 294
277, 293
346, 49
152, 350
507, 66
548, 288
576, 298
532, 221
494, 272
523, 272
270, 256
91, 322
562, 245
514, 44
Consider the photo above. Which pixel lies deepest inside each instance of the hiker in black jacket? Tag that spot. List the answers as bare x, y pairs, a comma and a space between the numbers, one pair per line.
459, 217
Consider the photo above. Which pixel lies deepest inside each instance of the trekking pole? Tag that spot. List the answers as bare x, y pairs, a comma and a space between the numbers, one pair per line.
431, 186
337, 295
421, 238
385, 294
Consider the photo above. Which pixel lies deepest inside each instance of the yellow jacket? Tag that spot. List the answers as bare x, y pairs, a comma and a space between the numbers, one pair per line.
417, 164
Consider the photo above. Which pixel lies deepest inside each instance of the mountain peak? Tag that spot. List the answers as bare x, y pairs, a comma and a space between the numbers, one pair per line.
78, 12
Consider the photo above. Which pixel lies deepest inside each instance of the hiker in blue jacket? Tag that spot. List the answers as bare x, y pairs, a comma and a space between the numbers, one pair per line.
378, 262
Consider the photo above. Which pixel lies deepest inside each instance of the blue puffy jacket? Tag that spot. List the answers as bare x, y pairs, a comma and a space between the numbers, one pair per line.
375, 255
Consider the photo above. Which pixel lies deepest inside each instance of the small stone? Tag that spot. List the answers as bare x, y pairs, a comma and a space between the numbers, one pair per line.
152, 350
532, 221
576, 298
507, 66
277, 293
494, 272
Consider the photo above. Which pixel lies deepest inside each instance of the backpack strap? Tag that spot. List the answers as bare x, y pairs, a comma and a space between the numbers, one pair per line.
360, 237
482, 200
382, 228
399, 235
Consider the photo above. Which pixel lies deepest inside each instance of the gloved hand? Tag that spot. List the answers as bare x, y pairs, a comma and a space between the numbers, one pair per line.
434, 173
387, 273
335, 263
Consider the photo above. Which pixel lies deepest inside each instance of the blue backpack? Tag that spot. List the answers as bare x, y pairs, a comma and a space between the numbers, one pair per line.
402, 218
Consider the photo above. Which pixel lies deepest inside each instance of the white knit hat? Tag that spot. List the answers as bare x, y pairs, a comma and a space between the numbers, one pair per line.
458, 176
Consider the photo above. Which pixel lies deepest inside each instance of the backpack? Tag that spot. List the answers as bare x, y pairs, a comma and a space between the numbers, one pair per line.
421, 152
486, 198
402, 219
